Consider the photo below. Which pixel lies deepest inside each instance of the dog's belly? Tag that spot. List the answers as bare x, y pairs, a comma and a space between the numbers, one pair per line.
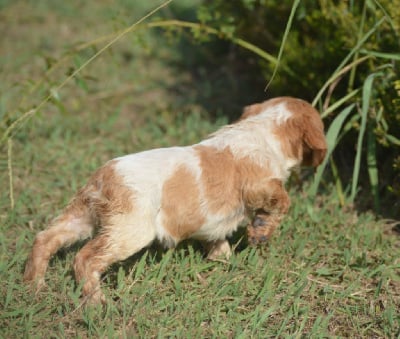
215, 227
218, 227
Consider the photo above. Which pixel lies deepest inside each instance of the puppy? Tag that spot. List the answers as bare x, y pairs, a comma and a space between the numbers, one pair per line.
202, 192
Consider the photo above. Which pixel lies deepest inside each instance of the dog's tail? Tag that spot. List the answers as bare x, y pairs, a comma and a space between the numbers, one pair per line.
75, 223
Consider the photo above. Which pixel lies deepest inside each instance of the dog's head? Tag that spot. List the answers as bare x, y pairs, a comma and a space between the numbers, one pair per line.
297, 125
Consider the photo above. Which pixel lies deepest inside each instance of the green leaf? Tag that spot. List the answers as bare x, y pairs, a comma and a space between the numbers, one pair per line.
338, 103
390, 56
393, 139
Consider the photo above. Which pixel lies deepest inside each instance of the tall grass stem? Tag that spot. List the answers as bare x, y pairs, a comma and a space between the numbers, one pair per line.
366, 98
282, 47
10, 172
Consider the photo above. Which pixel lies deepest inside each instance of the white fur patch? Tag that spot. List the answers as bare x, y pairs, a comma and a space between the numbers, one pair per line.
278, 113
254, 138
145, 173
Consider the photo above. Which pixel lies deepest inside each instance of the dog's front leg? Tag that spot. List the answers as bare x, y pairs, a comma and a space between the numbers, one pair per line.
270, 203
218, 249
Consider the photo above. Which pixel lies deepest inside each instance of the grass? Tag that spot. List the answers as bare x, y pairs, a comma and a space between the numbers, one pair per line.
331, 272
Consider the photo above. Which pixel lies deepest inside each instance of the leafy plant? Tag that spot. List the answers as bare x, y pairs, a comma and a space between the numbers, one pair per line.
321, 34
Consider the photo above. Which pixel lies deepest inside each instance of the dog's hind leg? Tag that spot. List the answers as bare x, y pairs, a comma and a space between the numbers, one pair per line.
72, 225
119, 238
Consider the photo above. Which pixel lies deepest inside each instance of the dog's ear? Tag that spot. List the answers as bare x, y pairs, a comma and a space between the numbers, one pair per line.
314, 141
250, 110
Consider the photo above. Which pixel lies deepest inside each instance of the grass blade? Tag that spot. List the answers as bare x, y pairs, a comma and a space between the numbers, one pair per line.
331, 138
393, 139
338, 103
389, 56
282, 47
338, 182
366, 97
10, 172
372, 167
140, 265
360, 30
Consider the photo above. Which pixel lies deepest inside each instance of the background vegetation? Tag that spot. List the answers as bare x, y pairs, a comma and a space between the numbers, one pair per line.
337, 54
170, 80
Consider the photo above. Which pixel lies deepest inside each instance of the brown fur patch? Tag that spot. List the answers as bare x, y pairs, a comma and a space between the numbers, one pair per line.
180, 203
290, 135
302, 135
230, 182
91, 258
252, 177
219, 177
106, 194
258, 108
266, 194
59, 234
251, 110
90, 262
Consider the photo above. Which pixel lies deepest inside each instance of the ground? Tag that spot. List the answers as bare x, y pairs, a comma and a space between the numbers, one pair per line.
328, 271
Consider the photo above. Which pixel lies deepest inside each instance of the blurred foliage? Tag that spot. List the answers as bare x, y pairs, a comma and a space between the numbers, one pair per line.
323, 33
321, 36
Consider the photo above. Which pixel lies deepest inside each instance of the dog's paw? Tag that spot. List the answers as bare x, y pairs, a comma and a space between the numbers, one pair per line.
218, 250
95, 298
35, 284
254, 241
258, 231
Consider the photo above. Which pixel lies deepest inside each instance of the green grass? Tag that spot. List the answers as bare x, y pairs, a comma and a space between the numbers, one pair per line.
331, 272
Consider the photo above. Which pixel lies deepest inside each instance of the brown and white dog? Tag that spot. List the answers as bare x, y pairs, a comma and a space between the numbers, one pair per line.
201, 192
